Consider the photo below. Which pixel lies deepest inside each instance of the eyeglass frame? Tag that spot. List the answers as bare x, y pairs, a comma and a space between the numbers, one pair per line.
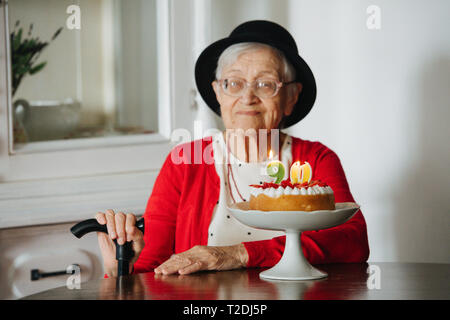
280, 84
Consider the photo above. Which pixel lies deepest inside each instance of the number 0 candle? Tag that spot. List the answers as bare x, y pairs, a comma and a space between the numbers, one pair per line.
300, 173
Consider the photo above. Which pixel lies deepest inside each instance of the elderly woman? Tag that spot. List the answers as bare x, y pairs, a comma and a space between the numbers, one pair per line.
255, 80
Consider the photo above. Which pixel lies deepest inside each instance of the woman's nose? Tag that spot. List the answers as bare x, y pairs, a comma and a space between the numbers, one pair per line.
248, 96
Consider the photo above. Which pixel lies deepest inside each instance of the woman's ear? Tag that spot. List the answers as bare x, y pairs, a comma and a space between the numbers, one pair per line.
215, 86
293, 98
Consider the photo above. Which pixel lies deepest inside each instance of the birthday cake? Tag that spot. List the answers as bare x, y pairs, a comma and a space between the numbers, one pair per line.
298, 193
308, 196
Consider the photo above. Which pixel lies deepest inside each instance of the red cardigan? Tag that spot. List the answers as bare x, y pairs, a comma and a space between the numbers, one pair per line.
184, 195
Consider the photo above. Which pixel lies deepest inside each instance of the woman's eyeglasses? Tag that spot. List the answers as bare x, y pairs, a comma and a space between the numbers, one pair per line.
262, 88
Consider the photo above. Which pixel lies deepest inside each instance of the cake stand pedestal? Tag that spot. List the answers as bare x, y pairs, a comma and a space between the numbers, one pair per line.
293, 264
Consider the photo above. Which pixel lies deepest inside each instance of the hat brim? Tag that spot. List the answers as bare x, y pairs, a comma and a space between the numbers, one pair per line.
206, 65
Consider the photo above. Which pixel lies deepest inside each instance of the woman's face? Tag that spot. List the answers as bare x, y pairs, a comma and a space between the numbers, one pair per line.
250, 111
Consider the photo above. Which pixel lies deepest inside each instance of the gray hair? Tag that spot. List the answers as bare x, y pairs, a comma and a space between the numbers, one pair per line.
231, 54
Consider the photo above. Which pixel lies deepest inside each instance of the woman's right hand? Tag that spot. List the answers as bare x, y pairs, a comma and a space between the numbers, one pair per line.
123, 228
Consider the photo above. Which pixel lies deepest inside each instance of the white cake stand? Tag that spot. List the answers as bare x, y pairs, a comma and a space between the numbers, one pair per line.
293, 264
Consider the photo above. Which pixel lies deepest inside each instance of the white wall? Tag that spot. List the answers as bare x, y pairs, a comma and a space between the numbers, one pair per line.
383, 103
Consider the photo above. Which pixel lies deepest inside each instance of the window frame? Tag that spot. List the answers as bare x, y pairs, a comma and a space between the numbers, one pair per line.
165, 119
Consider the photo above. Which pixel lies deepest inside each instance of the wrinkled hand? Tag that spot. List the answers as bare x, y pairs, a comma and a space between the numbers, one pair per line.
201, 258
121, 227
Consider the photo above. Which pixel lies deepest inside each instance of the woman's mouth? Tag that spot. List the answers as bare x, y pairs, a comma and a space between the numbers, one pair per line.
248, 113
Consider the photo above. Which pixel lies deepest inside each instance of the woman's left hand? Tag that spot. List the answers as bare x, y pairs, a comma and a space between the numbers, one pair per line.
205, 258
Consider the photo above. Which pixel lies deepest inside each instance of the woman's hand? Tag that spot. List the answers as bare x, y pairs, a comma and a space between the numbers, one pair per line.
205, 258
121, 227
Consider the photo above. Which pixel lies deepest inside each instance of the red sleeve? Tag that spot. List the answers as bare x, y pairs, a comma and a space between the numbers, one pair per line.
345, 243
160, 218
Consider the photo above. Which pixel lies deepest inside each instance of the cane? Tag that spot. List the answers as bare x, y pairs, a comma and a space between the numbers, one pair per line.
124, 252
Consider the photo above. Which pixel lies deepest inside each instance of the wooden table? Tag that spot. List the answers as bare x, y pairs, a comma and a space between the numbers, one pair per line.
405, 281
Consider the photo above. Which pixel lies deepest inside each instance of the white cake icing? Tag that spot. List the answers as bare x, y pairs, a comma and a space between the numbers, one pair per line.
275, 193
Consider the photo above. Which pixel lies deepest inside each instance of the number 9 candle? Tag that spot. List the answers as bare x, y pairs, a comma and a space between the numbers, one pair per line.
275, 169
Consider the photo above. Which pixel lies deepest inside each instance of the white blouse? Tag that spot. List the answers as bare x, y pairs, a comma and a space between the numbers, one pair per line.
224, 229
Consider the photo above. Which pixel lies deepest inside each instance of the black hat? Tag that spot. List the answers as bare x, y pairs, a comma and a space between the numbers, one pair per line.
265, 32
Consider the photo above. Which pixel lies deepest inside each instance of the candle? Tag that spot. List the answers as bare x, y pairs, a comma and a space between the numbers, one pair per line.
300, 173
275, 169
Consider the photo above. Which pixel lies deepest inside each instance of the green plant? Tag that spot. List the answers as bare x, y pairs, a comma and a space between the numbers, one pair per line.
24, 54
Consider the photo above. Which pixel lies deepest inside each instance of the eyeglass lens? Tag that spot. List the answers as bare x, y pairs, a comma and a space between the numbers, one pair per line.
261, 87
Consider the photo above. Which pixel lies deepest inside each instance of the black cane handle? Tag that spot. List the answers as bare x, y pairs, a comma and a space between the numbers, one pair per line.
92, 225
87, 226
124, 252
